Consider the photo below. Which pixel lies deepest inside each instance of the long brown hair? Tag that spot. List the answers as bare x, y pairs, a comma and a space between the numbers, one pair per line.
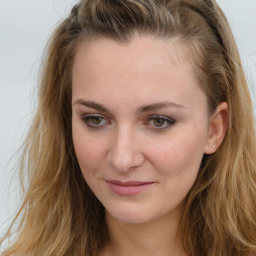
60, 215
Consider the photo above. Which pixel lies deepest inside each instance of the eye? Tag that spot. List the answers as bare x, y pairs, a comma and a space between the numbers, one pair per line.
161, 122
94, 120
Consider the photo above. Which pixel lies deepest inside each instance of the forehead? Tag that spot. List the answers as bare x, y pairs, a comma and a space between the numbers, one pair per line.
138, 52
144, 69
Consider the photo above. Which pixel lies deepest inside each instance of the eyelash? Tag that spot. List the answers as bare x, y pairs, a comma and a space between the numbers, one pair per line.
89, 117
168, 121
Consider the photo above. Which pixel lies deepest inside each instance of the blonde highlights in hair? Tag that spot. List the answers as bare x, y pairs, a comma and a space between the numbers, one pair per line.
60, 215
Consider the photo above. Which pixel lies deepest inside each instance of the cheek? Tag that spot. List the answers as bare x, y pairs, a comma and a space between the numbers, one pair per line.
180, 156
90, 152
178, 163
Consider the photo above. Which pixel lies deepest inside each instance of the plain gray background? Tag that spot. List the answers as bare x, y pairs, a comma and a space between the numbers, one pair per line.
25, 26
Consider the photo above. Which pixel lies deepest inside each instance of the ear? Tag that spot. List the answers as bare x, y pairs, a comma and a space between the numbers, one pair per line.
217, 128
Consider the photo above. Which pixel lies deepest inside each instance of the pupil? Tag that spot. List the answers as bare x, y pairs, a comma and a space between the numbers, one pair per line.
96, 120
158, 122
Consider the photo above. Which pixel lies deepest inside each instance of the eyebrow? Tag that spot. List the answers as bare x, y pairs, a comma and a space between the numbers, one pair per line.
91, 104
156, 106
142, 109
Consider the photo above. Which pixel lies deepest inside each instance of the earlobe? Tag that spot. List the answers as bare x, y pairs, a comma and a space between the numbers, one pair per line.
217, 128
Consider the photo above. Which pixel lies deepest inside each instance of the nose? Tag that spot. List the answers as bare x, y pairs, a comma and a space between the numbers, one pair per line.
125, 153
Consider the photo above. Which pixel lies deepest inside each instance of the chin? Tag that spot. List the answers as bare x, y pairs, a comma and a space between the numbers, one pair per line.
132, 215
131, 218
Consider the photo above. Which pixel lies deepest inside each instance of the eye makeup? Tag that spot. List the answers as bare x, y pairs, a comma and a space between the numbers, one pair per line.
156, 122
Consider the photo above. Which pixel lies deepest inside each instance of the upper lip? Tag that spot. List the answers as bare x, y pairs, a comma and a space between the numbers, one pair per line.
129, 183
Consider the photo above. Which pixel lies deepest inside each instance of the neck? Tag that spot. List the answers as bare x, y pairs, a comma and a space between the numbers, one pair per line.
158, 237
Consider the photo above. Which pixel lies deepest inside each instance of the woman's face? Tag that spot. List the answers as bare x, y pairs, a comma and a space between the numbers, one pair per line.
140, 125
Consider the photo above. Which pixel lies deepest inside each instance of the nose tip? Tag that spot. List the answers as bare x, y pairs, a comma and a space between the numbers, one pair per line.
123, 162
125, 153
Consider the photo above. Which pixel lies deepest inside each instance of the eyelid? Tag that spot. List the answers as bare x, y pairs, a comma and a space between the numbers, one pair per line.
86, 118
167, 119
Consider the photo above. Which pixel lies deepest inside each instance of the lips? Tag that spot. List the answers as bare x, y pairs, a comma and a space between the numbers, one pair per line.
128, 188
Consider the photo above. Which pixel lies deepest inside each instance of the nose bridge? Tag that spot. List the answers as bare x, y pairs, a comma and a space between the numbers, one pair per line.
125, 153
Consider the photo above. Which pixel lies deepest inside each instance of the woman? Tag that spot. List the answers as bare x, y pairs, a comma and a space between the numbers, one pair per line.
143, 141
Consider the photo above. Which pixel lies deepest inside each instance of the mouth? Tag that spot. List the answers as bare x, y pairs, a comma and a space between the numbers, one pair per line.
128, 188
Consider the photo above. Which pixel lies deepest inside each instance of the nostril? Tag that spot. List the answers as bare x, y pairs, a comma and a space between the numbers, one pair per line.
125, 159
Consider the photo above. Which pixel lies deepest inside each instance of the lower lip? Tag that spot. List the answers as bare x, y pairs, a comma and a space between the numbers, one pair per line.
128, 190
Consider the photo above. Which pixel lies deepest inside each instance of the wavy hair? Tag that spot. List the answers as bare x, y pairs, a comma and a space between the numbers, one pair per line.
60, 215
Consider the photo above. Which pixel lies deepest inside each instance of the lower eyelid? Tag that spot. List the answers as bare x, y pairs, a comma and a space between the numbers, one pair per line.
87, 120
167, 122
167, 119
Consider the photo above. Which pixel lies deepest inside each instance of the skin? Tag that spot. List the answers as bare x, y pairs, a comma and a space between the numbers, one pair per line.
125, 140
